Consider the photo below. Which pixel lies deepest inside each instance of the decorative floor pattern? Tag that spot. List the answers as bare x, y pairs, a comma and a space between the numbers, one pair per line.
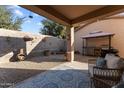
59, 77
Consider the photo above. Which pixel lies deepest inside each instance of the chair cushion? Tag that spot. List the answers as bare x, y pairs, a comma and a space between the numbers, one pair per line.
121, 63
112, 61
91, 69
123, 77
121, 66
101, 62
119, 85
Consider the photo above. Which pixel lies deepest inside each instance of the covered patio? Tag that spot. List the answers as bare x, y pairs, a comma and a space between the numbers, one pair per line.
73, 16
58, 73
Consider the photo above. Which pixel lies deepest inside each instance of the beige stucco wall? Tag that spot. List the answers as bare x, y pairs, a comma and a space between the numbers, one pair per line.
115, 26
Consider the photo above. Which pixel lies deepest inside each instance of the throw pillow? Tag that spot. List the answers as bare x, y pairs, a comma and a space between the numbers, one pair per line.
101, 62
121, 63
121, 66
120, 85
112, 61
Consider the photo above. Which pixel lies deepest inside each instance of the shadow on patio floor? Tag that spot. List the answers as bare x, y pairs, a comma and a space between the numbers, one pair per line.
51, 58
60, 77
10, 76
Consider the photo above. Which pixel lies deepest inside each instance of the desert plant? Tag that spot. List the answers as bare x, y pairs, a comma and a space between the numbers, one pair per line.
8, 20
54, 29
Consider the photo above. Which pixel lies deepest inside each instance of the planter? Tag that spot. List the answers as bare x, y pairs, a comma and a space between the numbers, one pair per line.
21, 57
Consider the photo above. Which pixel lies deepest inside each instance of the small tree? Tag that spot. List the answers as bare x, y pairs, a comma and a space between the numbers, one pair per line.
8, 20
53, 29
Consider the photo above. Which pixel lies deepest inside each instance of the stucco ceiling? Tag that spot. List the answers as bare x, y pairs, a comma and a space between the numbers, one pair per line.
74, 11
75, 14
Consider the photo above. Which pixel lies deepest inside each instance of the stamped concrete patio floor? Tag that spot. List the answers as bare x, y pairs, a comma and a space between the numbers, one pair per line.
67, 75
50, 71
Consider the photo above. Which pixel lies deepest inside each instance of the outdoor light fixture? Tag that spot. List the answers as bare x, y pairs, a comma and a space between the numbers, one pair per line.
30, 16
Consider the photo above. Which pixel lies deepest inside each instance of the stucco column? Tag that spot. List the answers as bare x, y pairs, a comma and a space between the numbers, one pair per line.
70, 44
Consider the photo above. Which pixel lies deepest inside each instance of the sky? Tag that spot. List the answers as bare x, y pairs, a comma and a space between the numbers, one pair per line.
32, 25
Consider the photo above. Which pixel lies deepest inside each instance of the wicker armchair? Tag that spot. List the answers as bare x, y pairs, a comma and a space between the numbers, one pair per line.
105, 77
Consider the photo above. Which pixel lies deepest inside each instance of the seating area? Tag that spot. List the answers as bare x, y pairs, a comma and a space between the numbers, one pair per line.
84, 50
106, 72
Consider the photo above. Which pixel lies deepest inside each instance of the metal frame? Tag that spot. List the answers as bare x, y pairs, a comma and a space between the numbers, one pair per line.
86, 39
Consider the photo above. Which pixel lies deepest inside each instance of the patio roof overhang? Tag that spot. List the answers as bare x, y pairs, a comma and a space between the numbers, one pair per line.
73, 15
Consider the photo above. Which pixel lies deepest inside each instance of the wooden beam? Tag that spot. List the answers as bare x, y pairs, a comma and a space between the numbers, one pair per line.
102, 12
53, 12
86, 24
93, 21
114, 17
48, 12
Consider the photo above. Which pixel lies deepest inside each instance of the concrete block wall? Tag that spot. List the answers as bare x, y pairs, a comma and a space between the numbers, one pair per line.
10, 40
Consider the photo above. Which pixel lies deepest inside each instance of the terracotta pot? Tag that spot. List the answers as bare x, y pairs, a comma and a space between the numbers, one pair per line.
21, 57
